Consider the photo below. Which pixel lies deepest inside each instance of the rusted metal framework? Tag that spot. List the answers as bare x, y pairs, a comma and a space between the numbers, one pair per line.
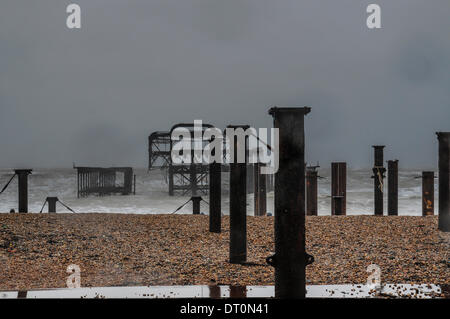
159, 150
188, 178
103, 181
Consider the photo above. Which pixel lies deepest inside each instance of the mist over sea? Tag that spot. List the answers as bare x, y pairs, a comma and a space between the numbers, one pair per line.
152, 194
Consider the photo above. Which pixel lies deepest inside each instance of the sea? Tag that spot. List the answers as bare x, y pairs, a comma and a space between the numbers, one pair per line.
152, 196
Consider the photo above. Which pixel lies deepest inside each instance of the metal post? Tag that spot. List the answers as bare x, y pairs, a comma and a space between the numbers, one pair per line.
393, 187
338, 188
23, 189
256, 189
196, 204
427, 193
215, 196
51, 202
238, 204
378, 176
290, 257
311, 191
444, 181
262, 194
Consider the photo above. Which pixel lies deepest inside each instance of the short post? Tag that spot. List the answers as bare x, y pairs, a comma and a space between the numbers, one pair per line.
311, 191
238, 201
427, 193
378, 176
196, 204
51, 202
393, 188
215, 197
444, 181
290, 257
23, 189
339, 188
134, 184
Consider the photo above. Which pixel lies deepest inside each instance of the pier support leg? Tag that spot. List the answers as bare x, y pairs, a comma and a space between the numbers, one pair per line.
393, 188
260, 196
215, 196
444, 181
311, 191
238, 203
23, 189
338, 188
290, 257
378, 176
427, 193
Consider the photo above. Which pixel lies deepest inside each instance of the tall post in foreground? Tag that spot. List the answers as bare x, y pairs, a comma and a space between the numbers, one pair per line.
393, 187
290, 257
51, 202
427, 193
23, 189
444, 181
311, 191
215, 197
238, 201
339, 188
378, 176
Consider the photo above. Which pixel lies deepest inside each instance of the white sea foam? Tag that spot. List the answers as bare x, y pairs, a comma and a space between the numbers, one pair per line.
152, 194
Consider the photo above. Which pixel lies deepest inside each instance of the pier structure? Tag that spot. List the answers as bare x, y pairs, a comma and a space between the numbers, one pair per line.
104, 181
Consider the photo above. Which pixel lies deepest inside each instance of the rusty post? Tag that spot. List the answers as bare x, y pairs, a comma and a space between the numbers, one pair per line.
238, 202
378, 176
290, 257
196, 205
393, 188
215, 209
444, 181
339, 188
311, 191
51, 202
427, 193
23, 188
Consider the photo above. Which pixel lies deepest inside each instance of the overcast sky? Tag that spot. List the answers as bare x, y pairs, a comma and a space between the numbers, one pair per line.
92, 96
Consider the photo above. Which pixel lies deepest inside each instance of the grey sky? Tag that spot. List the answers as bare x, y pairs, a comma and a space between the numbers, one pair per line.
94, 95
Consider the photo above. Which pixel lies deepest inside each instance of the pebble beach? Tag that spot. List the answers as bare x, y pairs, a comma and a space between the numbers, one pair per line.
144, 250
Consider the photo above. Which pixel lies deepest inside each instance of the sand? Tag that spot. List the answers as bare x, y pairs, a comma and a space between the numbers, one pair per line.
136, 250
